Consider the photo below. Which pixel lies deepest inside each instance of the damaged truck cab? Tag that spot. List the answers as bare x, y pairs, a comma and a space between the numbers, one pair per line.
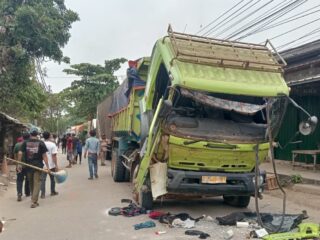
203, 120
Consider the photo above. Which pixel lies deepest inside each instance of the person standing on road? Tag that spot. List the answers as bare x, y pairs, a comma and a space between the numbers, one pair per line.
92, 149
75, 141
35, 154
79, 151
53, 165
64, 144
21, 170
69, 150
103, 149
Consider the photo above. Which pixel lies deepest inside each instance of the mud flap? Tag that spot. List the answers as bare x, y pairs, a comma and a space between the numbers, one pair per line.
158, 175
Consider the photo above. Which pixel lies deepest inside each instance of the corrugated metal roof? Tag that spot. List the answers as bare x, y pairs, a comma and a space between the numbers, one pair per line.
8, 119
305, 50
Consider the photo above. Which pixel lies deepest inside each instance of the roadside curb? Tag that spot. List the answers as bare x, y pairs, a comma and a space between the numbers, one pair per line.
306, 188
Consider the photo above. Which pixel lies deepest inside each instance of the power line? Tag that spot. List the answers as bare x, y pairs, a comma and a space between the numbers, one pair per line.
239, 14
312, 39
243, 18
226, 18
258, 28
291, 19
317, 30
208, 25
296, 28
258, 18
272, 17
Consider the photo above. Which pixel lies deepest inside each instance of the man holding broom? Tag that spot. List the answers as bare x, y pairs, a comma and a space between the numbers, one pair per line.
35, 154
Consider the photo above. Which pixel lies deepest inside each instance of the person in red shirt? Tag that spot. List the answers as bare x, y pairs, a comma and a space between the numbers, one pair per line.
69, 150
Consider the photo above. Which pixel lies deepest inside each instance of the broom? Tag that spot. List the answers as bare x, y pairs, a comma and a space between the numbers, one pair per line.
59, 176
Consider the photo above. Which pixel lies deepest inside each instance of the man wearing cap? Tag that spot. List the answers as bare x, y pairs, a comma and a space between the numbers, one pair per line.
35, 154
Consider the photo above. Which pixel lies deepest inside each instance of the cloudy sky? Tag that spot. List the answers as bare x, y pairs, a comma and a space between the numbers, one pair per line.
123, 28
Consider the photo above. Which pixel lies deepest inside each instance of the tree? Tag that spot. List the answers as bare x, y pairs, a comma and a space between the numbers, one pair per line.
30, 31
96, 83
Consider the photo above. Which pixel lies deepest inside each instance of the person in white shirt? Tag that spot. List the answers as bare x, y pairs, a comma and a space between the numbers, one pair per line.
53, 165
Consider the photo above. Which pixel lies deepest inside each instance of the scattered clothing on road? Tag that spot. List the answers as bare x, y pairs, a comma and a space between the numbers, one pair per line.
147, 224
202, 235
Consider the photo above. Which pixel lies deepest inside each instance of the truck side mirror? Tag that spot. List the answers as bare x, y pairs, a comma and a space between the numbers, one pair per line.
165, 108
308, 127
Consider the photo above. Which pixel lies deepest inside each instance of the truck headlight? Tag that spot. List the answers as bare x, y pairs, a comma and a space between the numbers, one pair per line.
260, 180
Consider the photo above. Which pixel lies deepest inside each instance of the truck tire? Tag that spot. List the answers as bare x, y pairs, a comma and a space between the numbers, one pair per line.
126, 175
117, 168
237, 201
145, 199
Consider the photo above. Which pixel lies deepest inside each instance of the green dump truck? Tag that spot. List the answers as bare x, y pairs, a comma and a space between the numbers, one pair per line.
188, 119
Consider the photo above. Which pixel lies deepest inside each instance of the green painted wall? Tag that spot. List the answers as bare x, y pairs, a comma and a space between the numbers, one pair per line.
290, 125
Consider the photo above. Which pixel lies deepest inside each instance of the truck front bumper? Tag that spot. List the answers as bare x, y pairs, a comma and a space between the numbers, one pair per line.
190, 182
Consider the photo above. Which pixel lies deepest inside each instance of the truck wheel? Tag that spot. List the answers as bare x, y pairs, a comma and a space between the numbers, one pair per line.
117, 168
145, 199
126, 175
237, 201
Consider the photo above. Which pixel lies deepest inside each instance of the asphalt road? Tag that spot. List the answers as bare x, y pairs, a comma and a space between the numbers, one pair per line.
79, 212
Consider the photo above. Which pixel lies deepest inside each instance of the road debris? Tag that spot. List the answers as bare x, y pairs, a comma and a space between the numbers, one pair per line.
242, 224
160, 232
188, 223
129, 211
202, 235
228, 235
147, 224
261, 232
156, 215
270, 220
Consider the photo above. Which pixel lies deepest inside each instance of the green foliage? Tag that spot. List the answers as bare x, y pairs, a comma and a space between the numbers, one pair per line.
96, 82
27, 104
29, 31
296, 178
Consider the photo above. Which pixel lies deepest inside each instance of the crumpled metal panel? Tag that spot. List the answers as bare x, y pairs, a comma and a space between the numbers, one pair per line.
240, 107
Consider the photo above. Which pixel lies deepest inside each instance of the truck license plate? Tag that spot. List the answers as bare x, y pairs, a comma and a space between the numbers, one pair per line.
214, 179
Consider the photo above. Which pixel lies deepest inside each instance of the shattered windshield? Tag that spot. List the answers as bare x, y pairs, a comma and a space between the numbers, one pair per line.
222, 117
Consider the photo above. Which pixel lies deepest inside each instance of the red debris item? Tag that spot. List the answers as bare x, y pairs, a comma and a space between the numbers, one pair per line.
133, 64
156, 215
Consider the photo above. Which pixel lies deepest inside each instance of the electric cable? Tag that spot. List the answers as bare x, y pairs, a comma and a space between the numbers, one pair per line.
258, 18
290, 19
208, 25
275, 172
302, 37
273, 17
243, 18
294, 29
222, 21
312, 39
257, 29
239, 14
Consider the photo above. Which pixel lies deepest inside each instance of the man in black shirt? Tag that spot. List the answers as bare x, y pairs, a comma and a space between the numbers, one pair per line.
35, 152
